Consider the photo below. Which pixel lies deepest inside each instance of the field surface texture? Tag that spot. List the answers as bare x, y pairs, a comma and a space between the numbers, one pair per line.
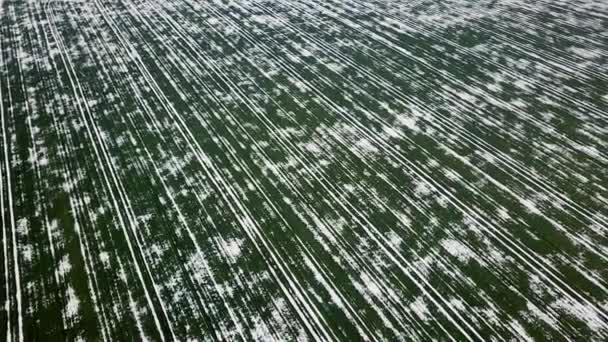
308, 170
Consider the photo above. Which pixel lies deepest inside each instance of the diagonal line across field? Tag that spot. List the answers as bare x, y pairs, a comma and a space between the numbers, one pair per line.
304, 170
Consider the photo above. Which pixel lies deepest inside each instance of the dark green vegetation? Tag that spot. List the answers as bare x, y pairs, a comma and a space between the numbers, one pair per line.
299, 169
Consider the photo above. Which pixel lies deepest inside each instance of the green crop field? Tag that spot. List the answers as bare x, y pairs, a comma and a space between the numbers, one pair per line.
337, 170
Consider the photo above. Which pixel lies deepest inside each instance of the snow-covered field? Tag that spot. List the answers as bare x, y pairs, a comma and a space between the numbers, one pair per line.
304, 170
